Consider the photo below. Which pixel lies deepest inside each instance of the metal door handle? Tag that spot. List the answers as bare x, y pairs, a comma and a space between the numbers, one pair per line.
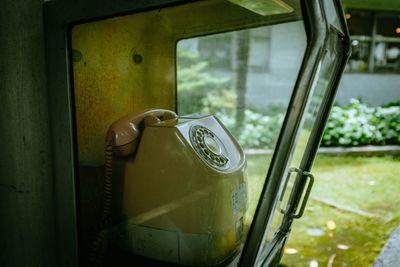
310, 177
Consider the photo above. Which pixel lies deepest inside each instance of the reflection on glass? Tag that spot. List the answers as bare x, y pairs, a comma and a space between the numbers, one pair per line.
244, 78
319, 89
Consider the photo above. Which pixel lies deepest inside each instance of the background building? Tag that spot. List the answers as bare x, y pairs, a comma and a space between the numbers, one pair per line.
372, 73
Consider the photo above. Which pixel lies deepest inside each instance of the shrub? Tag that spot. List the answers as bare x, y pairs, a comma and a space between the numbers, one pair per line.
196, 83
260, 131
358, 124
388, 123
220, 101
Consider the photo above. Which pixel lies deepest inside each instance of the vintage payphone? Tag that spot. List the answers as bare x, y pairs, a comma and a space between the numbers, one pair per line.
184, 189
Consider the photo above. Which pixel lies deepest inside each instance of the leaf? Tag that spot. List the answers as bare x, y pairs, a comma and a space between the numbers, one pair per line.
313, 263
342, 247
291, 251
331, 225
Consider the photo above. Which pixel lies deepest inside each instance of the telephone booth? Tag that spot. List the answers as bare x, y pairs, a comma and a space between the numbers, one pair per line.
184, 132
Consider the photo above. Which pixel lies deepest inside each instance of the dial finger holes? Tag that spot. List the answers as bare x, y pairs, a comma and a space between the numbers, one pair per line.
208, 146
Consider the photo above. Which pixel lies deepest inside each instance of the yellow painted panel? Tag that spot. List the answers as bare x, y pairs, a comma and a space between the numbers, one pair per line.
109, 84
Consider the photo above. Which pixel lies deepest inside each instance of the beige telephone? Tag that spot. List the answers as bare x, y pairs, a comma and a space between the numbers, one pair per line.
184, 189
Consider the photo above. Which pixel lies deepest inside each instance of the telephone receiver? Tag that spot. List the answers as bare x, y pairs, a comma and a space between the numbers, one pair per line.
124, 134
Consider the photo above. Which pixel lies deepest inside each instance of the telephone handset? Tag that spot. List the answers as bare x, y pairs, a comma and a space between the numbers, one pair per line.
124, 134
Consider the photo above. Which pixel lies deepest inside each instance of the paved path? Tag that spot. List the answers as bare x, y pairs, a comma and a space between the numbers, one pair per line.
390, 254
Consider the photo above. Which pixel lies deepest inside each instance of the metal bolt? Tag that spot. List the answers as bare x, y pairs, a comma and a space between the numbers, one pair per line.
137, 58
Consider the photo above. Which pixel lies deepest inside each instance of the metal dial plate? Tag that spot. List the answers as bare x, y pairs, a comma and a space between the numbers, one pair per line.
209, 147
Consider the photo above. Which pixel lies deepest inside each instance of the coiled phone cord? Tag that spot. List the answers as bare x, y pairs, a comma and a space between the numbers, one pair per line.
108, 171
99, 246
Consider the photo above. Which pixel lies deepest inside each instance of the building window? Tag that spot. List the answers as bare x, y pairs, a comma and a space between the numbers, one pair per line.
375, 40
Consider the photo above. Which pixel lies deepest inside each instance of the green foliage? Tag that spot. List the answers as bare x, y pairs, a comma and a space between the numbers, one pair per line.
220, 101
392, 104
259, 130
388, 123
196, 83
358, 124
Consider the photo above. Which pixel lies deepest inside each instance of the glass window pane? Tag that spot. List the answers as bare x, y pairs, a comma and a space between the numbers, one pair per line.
326, 69
247, 83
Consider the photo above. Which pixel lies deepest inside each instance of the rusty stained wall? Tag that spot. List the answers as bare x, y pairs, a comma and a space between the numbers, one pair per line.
109, 84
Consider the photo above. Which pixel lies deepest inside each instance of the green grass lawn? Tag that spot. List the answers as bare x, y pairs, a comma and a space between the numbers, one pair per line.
370, 184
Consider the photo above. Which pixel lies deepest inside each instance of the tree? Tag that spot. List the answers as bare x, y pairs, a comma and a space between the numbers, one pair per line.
195, 83
243, 42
